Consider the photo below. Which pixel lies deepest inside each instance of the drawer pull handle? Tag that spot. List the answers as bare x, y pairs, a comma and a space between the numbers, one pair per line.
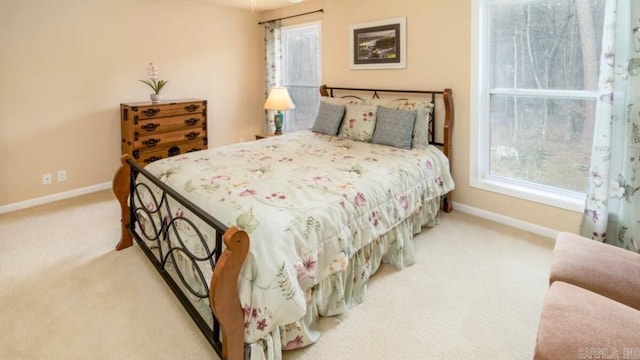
191, 108
150, 127
191, 121
151, 112
192, 135
173, 151
152, 159
151, 142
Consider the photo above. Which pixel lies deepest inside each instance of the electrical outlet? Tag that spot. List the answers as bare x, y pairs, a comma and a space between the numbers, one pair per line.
46, 179
62, 175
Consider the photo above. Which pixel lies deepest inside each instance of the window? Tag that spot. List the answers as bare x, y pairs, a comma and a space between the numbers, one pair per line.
301, 73
535, 79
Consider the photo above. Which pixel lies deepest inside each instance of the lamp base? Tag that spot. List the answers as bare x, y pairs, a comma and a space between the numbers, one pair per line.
278, 119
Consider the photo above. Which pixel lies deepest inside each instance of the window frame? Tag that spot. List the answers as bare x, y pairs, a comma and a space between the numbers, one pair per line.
480, 129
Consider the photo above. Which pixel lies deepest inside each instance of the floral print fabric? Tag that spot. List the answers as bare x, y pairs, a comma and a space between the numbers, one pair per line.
359, 122
272, 61
424, 110
310, 203
612, 211
420, 129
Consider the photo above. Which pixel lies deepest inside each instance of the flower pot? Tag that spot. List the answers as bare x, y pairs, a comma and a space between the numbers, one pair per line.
156, 98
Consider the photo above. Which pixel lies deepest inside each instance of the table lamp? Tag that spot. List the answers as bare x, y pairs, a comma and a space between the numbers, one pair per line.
279, 100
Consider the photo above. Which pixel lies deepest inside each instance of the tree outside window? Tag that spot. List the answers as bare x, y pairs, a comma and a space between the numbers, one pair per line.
539, 80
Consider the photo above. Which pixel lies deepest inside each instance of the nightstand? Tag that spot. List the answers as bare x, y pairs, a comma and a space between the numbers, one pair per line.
264, 135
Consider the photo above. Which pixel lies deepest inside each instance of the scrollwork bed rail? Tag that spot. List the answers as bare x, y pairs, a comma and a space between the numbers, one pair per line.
224, 329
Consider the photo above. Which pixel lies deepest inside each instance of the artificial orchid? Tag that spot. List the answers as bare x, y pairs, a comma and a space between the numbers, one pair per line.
154, 81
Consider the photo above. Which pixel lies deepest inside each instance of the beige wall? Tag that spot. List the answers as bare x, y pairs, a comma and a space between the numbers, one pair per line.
438, 56
65, 66
63, 75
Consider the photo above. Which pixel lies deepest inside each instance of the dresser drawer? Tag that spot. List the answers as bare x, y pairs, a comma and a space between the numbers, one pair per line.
166, 139
152, 131
170, 124
145, 157
168, 109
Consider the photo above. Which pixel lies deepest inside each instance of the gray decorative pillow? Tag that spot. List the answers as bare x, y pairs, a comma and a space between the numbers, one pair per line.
329, 119
394, 127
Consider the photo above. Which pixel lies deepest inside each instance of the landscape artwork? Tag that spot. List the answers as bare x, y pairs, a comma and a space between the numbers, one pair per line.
379, 44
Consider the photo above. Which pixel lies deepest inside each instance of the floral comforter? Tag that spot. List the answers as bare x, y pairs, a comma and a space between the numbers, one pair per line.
309, 202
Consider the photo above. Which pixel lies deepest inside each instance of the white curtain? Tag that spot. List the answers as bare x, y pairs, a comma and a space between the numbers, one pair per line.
612, 212
273, 61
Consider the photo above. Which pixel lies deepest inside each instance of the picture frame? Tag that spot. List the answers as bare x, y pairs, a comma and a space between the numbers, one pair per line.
378, 44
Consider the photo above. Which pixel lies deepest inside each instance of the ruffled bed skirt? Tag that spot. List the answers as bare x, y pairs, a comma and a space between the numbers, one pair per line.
338, 293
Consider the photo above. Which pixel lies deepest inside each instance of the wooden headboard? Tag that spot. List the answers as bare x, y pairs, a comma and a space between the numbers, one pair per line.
442, 114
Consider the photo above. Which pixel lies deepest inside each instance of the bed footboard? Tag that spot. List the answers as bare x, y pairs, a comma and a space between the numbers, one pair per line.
223, 325
121, 189
224, 282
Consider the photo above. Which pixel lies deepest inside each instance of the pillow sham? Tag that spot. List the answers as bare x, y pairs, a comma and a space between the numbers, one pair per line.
359, 123
394, 127
328, 119
420, 128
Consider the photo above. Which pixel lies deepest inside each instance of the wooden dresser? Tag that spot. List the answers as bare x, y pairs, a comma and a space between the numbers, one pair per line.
153, 131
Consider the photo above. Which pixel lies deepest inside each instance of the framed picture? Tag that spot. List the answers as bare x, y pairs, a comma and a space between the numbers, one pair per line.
379, 44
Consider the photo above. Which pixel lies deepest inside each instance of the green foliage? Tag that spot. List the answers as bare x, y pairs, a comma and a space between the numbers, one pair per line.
629, 192
635, 133
288, 291
622, 233
311, 225
156, 85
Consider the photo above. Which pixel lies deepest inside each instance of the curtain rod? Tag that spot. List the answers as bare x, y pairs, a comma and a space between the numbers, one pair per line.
288, 17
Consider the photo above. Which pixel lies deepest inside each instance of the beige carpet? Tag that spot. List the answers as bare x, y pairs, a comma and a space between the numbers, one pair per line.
65, 293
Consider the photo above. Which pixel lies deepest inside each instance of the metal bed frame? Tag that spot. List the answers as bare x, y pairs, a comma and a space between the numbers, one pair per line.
157, 223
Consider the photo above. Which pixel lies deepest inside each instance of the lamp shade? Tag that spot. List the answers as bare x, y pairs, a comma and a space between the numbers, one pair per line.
279, 99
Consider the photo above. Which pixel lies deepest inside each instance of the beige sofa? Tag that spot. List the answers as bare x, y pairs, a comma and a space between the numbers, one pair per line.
592, 308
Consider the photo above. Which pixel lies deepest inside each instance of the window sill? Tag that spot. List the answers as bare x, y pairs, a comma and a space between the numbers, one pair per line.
572, 201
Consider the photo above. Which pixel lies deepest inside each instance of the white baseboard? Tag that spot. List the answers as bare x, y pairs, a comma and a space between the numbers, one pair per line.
505, 220
55, 197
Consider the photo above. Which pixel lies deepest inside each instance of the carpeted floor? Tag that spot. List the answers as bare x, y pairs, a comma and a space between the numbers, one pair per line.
65, 293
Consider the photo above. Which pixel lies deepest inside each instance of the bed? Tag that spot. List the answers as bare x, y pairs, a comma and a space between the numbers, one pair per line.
258, 240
